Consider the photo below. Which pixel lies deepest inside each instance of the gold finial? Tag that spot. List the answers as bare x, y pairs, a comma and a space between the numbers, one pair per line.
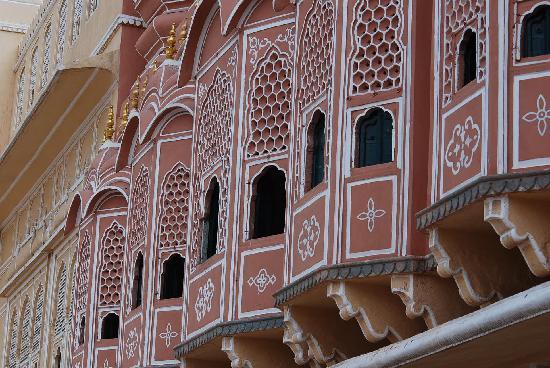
125, 115
135, 95
170, 48
110, 127
144, 85
155, 66
183, 33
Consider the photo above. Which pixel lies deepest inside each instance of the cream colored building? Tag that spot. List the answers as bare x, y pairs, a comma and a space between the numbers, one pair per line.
59, 75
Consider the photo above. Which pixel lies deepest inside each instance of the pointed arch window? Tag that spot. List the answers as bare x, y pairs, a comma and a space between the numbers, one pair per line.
467, 59
172, 277
210, 222
137, 282
374, 139
315, 160
269, 203
536, 33
109, 326
81, 329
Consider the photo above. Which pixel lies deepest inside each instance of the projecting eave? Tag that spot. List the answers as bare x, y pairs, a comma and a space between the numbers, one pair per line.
502, 334
68, 99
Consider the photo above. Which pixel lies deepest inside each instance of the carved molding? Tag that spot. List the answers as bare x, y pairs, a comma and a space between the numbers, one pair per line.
354, 271
483, 270
378, 312
228, 329
522, 223
479, 189
433, 298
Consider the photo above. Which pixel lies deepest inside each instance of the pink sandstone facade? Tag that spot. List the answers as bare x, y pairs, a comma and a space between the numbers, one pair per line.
318, 183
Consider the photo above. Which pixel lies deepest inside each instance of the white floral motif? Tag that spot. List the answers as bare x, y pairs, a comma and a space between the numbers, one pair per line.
371, 215
262, 280
256, 45
308, 238
131, 343
540, 116
106, 364
462, 146
203, 304
168, 335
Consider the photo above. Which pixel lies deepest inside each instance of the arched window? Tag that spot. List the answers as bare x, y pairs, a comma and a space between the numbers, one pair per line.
171, 285
315, 161
374, 139
137, 284
467, 59
269, 203
210, 221
109, 326
81, 329
536, 33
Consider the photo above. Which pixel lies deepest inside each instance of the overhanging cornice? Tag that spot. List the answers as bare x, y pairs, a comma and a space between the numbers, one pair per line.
70, 96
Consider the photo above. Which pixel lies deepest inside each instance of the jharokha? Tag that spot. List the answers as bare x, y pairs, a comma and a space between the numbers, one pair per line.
274, 183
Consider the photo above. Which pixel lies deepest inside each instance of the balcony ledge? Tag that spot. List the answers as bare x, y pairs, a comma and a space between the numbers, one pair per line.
68, 99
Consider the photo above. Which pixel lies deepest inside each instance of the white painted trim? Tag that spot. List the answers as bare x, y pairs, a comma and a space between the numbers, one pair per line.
392, 248
483, 143
256, 312
13, 27
326, 220
517, 163
121, 19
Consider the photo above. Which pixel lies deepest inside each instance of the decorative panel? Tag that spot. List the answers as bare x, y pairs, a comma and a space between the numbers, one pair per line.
371, 218
531, 126
463, 149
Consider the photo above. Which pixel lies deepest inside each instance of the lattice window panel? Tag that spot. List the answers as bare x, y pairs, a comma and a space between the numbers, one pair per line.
81, 295
112, 250
25, 333
47, 54
62, 34
60, 309
316, 46
92, 6
174, 207
270, 105
213, 146
459, 14
12, 355
138, 214
32, 80
37, 329
378, 52
77, 19
20, 95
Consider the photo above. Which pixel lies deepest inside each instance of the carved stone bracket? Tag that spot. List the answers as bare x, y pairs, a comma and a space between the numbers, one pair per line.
522, 222
378, 312
431, 297
483, 270
234, 354
247, 352
306, 335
